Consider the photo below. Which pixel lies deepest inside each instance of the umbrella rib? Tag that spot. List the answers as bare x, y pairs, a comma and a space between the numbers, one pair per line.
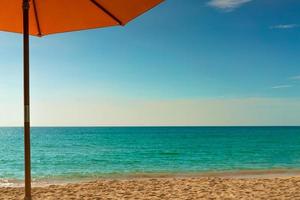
107, 12
36, 18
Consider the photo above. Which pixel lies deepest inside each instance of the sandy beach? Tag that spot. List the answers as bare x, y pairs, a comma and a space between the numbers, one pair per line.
228, 186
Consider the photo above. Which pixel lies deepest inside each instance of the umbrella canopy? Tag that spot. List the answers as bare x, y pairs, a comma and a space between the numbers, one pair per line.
57, 16
43, 17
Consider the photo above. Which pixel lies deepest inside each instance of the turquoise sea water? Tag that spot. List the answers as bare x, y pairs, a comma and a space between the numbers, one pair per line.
88, 152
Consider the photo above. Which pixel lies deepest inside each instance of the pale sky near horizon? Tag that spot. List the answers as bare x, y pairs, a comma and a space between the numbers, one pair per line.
210, 62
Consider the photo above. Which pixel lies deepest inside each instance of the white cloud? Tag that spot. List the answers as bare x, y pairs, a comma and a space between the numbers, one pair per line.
282, 86
285, 26
227, 5
295, 77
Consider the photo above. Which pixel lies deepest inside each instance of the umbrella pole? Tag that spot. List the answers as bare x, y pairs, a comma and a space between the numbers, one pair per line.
26, 100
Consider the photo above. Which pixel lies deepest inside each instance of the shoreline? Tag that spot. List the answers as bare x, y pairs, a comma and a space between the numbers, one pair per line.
166, 188
228, 174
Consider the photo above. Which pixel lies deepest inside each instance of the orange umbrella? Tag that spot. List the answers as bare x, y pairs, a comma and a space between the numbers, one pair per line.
43, 17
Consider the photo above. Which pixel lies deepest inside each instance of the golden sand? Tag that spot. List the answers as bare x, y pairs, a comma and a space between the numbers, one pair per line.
167, 188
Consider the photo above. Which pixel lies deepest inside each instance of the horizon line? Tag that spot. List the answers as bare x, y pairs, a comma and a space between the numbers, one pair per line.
149, 126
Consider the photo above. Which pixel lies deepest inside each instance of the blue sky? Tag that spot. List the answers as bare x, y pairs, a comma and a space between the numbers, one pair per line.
208, 62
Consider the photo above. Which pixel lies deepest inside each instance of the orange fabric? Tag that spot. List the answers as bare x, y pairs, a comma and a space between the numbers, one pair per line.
57, 16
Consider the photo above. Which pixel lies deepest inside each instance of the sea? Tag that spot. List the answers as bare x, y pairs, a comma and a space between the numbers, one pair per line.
74, 153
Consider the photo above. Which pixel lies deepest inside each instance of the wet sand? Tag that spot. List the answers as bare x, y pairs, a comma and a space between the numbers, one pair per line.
229, 185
